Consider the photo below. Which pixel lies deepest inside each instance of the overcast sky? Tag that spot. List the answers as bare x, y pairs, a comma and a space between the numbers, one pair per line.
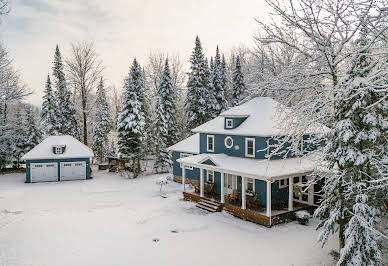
121, 30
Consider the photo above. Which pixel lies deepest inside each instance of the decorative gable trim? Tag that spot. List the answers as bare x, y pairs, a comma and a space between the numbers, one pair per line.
208, 161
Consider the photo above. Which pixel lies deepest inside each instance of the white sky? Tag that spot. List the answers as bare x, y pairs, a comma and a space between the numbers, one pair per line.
122, 30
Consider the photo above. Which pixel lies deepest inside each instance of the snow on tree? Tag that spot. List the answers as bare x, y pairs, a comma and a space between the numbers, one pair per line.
102, 124
238, 85
33, 134
48, 116
19, 135
196, 104
130, 126
66, 114
166, 125
219, 82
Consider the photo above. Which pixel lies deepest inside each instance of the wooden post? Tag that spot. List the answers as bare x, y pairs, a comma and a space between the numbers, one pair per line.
184, 177
201, 183
269, 198
222, 187
243, 196
291, 194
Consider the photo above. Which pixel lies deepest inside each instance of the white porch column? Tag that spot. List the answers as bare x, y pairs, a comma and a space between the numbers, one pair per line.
311, 194
243, 196
201, 184
268, 198
222, 187
184, 177
291, 194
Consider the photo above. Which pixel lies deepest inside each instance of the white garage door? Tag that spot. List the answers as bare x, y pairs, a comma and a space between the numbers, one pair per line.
43, 172
73, 170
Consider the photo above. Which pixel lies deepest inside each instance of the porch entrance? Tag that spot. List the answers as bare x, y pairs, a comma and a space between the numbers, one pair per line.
230, 183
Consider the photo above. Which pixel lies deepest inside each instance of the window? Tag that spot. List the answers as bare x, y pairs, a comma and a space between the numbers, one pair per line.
50, 165
210, 143
67, 164
58, 150
250, 186
229, 123
228, 142
283, 183
183, 155
250, 147
210, 176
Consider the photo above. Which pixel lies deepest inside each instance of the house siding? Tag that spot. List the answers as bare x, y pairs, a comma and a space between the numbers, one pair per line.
58, 161
177, 170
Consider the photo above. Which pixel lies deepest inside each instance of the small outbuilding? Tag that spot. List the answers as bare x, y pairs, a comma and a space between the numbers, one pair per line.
58, 158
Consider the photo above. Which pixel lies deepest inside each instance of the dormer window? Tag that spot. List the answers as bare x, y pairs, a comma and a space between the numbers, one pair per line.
58, 149
229, 123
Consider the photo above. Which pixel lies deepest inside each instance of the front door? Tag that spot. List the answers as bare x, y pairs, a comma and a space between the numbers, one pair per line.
230, 183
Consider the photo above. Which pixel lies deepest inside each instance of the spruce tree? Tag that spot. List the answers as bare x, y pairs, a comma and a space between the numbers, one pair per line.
197, 89
166, 125
219, 83
66, 114
357, 143
238, 85
33, 134
48, 122
131, 120
102, 124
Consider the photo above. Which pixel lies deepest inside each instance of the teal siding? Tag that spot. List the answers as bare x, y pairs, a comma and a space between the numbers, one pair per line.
28, 169
177, 170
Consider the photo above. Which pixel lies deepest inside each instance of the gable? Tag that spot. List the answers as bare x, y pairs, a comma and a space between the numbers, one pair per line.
209, 162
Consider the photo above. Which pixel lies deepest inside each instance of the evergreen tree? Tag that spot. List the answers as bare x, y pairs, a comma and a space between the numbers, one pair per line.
197, 89
131, 120
102, 124
19, 136
48, 122
238, 83
66, 114
33, 134
166, 124
219, 83
357, 143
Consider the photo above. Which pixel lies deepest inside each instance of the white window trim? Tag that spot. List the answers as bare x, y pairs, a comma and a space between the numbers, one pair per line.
246, 185
207, 176
283, 186
58, 150
207, 142
228, 137
246, 147
231, 123
185, 155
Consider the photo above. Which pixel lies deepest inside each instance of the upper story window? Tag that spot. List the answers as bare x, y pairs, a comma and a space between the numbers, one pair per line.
229, 123
228, 142
210, 143
250, 147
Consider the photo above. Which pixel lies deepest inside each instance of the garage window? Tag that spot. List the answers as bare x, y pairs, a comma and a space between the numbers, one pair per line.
78, 164
67, 164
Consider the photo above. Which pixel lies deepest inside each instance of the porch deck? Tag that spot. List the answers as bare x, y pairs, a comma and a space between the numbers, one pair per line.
279, 214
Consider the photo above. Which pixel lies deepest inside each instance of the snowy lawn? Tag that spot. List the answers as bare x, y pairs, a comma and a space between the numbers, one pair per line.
111, 220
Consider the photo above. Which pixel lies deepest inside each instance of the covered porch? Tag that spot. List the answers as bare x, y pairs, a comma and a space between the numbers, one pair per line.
236, 190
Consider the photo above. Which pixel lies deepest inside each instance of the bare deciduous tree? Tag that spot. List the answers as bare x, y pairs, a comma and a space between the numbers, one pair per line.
84, 71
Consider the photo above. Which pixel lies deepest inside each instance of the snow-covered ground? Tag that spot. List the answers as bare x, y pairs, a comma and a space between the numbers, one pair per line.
111, 220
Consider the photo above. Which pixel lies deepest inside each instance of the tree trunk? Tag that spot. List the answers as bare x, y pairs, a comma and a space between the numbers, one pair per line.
85, 121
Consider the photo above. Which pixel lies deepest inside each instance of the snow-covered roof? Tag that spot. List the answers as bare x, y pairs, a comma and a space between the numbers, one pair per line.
254, 168
189, 145
74, 149
265, 117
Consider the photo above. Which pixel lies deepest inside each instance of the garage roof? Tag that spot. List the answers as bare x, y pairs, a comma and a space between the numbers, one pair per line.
74, 149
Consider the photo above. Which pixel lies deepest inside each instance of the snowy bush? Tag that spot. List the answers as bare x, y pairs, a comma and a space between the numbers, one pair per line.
302, 217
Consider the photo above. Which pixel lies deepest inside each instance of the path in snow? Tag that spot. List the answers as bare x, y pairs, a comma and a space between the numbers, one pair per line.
111, 220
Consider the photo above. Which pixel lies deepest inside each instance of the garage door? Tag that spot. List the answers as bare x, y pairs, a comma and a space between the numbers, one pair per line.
73, 170
43, 172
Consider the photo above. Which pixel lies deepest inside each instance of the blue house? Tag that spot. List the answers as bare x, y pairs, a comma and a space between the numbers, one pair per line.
58, 158
228, 162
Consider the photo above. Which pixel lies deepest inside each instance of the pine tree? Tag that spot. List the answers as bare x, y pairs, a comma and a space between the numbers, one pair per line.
66, 114
357, 142
166, 125
238, 83
33, 134
102, 124
131, 120
48, 122
219, 83
19, 136
197, 89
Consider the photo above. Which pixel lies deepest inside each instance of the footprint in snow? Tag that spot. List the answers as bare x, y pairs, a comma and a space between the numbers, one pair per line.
12, 212
155, 240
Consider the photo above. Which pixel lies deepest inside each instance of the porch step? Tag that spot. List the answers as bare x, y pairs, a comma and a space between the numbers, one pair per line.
208, 205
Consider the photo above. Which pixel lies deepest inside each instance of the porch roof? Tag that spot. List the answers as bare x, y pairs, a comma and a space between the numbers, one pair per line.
254, 168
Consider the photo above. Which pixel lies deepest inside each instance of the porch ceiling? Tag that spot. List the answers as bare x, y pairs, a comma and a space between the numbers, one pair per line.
254, 168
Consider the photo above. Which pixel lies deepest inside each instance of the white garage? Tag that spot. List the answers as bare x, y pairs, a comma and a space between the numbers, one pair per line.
58, 158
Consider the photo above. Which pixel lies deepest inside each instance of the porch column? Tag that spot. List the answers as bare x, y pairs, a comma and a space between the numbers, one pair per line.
268, 198
243, 196
311, 194
184, 177
222, 187
201, 183
291, 194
